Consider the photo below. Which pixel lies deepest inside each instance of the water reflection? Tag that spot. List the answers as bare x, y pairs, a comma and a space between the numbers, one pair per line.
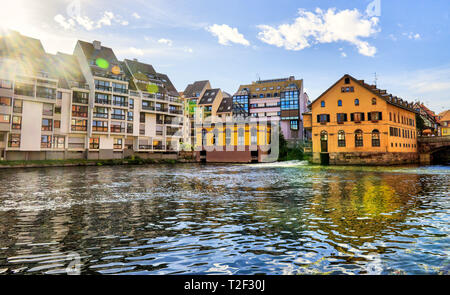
232, 219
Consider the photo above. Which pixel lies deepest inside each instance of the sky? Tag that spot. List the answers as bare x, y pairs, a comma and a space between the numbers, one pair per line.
402, 45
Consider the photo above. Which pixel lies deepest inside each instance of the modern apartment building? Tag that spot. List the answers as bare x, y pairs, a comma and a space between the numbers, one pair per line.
86, 105
353, 122
282, 100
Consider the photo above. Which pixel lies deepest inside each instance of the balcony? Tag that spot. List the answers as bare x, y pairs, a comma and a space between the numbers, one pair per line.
176, 111
148, 108
101, 115
117, 117
120, 103
103, 88
121, 90
159, 147
145, 147
100, 128
81, 100
102, 101
173, 122
117, 129
161, 109
79, 114
78, 128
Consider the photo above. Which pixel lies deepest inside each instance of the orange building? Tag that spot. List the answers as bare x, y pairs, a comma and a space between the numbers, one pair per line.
353, 122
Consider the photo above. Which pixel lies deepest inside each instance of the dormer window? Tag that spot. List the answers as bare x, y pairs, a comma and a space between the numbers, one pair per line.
322, 104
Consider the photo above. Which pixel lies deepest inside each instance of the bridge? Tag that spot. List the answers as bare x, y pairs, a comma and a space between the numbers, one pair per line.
434, 150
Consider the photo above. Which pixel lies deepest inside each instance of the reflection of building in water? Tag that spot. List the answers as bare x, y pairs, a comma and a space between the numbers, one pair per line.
359, 207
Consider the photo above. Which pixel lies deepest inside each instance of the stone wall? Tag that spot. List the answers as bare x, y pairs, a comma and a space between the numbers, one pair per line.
369, 158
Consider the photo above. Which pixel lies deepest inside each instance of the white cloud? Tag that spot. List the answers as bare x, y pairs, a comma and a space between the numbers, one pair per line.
107, 19
136, 15
165, 41
188, 50
343, 54
412, 36
329, 26
227, 34
136, 51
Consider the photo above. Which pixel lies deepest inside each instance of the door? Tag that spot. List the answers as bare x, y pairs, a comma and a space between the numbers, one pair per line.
324, 142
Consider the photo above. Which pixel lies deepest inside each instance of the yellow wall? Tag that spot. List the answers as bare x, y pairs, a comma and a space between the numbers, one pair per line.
365, 105
263, 134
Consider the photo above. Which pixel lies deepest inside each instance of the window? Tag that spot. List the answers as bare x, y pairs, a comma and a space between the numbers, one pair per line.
5, 101
100, 126
130, 116
228, 136
215, 139
347, 80
24, 89
357, 117
59, 95
118, 143
341, 138
4, 118
322, 104
254, 136
18, 106
5, 84
241, 137
131, 103
14, 140
323, 118
374, 116
16, 122
119, 101
46, 141
358, 138
375, 138
59, 142
45, 92
204, 135
100, 113
78, 125
79, 111
142, 117
129, 128
102, 98
341, 118
294, 124
47, 125
374, 101
57, 110
94, 143
47, 109
390, 116
57, 124
339, 103
117, 127
118, 114
356, 102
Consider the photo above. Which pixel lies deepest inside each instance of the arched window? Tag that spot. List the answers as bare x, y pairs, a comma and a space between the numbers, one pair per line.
228, 136
375, 137
204, 132
341, 138
356, 102
254, 136
322, 103
374, 101
241, 137
215, 140
358, 138
347, 81
339, 103
323, 135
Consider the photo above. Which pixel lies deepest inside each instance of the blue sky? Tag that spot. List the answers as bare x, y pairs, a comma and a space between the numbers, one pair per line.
234, 42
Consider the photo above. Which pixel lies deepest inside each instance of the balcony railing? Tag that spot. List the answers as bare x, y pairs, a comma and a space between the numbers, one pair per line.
101, 115
148, 108
117, 117
100, 128
121, 90
161, 109
103, 88
145, 147
78, 128
117, 129
102, 101
159, 147
120, 103
179, 112
80, 100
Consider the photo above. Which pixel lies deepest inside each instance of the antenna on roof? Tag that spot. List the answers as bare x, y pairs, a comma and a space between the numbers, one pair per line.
375, 79
258, 78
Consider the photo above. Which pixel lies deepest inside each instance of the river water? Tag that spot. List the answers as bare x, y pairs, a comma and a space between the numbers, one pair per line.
280, 218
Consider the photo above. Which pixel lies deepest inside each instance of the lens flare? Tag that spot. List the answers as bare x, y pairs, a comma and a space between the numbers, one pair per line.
102, 63
152, 88
115, 70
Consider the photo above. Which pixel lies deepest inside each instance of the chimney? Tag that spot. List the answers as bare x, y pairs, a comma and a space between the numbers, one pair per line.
135, 59
291, 78
97, 45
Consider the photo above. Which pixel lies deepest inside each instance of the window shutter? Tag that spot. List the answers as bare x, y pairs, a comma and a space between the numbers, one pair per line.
352, 117
328, 118
380, 115
362, 116
369, 116
345, 117
318, 118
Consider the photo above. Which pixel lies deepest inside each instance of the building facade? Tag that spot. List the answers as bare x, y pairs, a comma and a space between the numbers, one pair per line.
88, 105
282, 100
430, 120
355, 123
444, 119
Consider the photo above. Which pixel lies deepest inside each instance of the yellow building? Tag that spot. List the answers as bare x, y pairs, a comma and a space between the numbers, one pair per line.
353, 122
444, 119
238, 142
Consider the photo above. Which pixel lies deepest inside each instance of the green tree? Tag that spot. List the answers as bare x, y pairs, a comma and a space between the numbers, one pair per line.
420, 124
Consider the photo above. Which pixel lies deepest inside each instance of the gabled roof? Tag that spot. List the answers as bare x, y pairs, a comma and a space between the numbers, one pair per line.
389, 98
209, 96
226, 106
196, 87
445, 116
105, 52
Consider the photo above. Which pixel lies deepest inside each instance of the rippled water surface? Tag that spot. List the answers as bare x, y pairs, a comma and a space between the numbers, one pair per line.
281, 218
